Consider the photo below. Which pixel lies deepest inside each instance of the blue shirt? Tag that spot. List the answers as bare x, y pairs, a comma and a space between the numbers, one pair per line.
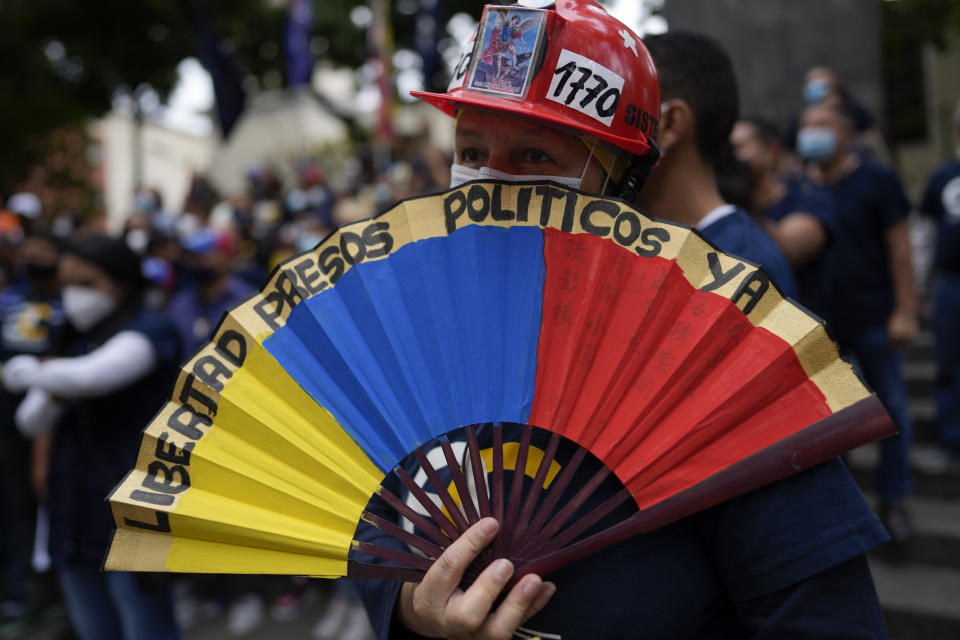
738, 234
28, 323
804, 197
196, 318
941, 201
870, 201
761, 560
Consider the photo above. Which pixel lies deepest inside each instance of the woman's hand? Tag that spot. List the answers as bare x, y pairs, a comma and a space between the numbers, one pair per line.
17, 372
438, 608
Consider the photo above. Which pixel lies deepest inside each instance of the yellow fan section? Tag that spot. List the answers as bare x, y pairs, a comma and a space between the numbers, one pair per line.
281, 486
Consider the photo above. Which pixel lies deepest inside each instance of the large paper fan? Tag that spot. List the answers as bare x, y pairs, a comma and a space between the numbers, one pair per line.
683, 370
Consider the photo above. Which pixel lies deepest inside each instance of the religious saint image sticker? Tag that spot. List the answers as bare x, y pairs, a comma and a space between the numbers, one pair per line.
504, 56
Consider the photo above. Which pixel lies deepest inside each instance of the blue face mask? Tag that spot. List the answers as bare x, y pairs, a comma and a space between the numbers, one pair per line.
816, 143
815, 90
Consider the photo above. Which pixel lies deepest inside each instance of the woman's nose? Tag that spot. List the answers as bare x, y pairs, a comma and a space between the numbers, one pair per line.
499, 160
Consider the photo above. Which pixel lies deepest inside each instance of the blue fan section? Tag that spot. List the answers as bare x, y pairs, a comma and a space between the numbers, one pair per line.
440, 334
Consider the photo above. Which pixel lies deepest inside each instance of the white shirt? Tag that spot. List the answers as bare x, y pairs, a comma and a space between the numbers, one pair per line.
714, 215
117, 363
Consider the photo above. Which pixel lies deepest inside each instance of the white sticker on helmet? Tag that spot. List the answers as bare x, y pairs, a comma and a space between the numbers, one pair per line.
463, 64
586, 85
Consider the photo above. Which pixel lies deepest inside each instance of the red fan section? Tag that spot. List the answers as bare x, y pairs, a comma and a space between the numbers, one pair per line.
645, 371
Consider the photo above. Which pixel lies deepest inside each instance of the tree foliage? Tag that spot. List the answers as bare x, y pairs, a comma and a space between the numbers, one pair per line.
907, 26
65, 61
908, 22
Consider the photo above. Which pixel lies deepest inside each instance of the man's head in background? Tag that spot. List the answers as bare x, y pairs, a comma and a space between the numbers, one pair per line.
207, 259
818, 82
699, 106
28, 208
756, 143
826, 132
39, 257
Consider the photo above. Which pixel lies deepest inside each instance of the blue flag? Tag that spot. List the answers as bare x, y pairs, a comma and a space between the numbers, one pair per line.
223, 69
297, 42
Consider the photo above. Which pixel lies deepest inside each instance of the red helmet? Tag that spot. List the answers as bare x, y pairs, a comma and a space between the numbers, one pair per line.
566, 63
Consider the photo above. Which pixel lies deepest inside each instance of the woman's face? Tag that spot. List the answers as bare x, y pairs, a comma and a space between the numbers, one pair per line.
77, 272
503, 143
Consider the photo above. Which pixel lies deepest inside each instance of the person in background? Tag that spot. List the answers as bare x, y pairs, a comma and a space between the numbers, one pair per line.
941, 201
209, 290
821, 85
869, 284
31, 322
698, 92
159, 270
117, 363
312, 198
202, 197
799, 216
28, 207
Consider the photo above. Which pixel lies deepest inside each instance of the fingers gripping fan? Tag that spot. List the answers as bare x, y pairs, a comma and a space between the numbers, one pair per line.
494, 341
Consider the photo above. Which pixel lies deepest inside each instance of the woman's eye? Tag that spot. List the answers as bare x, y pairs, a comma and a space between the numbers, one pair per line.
535, 156
470, 155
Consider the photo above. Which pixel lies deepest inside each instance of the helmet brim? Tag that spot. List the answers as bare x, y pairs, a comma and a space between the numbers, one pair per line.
449, 104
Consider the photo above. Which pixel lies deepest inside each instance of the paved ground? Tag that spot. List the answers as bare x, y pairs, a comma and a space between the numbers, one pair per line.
919, 582
213, 625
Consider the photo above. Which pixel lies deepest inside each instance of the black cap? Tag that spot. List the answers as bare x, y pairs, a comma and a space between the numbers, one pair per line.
112, 256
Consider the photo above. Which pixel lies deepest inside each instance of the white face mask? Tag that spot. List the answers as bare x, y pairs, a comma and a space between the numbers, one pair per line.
138, 240
86, 306
460, 173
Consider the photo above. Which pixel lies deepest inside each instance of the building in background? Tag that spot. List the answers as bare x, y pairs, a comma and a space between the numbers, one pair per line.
891, 66
167, 160
773, 43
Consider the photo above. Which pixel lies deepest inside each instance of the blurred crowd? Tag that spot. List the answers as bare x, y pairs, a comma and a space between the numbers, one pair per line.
823, 186
93, 327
